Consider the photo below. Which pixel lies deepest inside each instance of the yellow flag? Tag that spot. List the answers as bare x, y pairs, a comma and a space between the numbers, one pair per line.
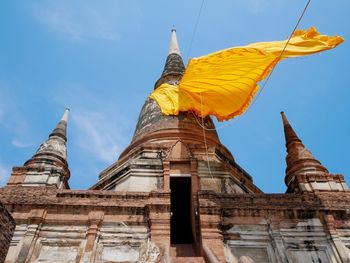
224, 83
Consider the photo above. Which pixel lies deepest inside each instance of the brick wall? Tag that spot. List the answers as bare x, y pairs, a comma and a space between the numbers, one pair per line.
7, 227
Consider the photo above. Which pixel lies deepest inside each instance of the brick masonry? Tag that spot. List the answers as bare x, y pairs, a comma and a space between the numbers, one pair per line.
7, 228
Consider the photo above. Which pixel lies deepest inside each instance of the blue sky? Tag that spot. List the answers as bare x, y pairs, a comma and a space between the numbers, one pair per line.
102, 58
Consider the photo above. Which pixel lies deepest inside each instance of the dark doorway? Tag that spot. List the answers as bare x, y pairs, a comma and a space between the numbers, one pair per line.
180, 222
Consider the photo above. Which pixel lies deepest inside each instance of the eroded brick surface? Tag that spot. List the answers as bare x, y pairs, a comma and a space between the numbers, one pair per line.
7, 227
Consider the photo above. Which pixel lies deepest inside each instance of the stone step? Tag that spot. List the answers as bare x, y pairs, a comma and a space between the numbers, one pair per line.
182, 250
187, 260
184, 253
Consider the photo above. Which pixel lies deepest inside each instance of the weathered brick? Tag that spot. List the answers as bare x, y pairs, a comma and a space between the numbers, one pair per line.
7, 227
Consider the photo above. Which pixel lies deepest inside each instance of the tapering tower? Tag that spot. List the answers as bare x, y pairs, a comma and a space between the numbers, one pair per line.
165, 146
304, 172
48, 166
174, 67
179, 155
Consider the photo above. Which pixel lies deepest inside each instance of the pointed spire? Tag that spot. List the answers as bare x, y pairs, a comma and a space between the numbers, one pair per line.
300, 161
61, 128
56, 143
289, 133
174, 45
48, 166
174, 67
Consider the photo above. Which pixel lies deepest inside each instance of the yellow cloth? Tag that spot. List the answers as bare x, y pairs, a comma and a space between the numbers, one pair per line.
223, 83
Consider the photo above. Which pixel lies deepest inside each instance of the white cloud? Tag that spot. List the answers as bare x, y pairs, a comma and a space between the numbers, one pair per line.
2, 104
4, 173
259, 6
79, 20
10, 118
98, 135
20, 144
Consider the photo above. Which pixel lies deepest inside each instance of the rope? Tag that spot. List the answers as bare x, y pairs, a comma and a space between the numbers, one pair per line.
279, 57
268, 77
195, 30
205, 141
212, 129
264, 85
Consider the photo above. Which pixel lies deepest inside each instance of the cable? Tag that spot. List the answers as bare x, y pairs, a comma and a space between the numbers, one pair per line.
268, 77
279, 57
212, 129
205, 141
195, 30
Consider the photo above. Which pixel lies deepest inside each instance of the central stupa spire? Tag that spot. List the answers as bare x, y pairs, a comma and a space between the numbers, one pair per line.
174, 66
167, 145
174, 45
